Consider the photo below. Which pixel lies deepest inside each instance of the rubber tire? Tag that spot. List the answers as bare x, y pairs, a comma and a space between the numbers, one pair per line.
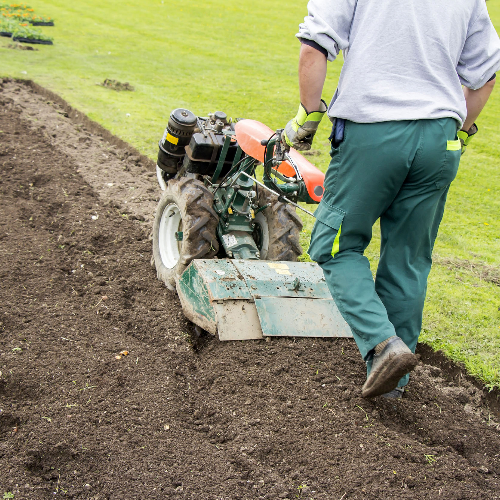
199, 226
284, 227
261, 234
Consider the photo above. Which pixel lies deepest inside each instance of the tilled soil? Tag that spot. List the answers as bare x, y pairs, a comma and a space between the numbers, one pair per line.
279, 419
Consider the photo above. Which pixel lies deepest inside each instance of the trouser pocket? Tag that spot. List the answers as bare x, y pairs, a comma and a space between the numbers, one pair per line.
325, 236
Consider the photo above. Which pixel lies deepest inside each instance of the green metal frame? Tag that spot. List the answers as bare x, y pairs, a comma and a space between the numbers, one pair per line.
296, 191
234, 197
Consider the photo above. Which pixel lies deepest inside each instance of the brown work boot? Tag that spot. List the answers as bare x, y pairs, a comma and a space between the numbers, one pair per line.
391, 361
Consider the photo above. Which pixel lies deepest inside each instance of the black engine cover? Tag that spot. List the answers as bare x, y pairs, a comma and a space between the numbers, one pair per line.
203, 153
196, 144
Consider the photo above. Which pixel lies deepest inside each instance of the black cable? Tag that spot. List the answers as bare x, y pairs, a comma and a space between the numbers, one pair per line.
231, 171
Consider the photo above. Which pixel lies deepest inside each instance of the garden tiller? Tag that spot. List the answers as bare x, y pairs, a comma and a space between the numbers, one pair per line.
228, 242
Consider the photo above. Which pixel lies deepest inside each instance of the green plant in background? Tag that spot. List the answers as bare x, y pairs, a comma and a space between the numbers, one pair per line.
242, 59
16, 17
37, 19
23, 31
13, 7
20, 15
7, 25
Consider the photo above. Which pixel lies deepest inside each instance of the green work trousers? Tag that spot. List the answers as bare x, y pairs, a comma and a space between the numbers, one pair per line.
398, 172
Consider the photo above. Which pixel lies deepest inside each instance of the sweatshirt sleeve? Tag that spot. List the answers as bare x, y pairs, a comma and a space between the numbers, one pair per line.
328, 24
480, 57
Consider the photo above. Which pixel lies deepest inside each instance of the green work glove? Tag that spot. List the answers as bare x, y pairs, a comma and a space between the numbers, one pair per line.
299, 132
466, 136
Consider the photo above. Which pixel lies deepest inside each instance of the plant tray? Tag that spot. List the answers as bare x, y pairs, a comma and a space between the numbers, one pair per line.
6, 34
42, 23
31, 40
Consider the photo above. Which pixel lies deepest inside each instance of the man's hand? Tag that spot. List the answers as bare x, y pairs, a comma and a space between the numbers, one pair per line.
299, 132
466, 136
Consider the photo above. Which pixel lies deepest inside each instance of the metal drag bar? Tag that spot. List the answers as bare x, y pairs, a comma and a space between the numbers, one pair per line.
274, 192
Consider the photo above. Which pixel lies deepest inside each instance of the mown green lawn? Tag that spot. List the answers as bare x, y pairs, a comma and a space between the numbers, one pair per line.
242, 58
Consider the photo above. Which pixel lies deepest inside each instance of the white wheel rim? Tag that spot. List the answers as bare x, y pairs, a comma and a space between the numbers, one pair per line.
161, 180
170, 224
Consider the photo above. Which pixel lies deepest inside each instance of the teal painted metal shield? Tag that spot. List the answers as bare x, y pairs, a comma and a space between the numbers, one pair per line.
249, 299
283, 279
283, 317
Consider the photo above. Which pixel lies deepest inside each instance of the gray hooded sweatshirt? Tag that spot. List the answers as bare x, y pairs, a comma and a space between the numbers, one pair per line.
404, 59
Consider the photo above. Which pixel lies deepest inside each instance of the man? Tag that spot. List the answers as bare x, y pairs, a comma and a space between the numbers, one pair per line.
401, 121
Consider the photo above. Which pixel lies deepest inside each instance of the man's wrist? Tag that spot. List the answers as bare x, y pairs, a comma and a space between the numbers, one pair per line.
470, 131
303, 115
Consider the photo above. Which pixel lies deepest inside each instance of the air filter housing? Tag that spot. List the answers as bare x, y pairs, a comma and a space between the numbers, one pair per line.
178, 133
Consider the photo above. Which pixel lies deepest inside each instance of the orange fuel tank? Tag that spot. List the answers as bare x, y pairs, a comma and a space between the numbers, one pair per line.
250, 133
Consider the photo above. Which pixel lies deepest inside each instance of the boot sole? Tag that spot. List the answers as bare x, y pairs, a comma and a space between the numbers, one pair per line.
386, 378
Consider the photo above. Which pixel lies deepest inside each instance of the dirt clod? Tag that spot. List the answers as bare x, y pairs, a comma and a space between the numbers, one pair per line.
19, 46
116, 85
